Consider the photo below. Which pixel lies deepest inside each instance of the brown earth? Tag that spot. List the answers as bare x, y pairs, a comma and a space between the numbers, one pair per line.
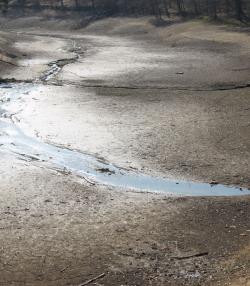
170, 101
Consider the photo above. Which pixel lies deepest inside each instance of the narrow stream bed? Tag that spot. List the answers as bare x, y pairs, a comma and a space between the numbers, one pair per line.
14, 141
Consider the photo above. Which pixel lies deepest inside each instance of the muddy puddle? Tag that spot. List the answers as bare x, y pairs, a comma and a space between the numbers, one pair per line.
14, 141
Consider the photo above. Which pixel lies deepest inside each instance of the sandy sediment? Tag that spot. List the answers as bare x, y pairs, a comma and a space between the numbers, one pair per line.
154, 104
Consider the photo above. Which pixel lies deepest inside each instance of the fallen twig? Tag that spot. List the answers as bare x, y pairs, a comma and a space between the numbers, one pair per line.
87, 180
65, 268
92, 280
190, 256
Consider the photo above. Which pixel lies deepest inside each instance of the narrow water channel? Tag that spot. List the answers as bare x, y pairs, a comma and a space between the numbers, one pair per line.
14, 141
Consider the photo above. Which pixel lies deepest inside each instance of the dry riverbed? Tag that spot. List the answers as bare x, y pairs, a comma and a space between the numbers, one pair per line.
172, 106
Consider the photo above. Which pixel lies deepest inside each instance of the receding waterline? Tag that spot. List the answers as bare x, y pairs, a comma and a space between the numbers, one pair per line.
13, 140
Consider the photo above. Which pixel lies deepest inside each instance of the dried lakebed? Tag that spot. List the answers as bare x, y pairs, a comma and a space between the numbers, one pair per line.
13, 140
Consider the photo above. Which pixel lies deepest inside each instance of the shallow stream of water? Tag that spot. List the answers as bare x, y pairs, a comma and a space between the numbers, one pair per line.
14, 141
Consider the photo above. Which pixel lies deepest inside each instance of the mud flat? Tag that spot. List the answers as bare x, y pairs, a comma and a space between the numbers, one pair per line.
105, 140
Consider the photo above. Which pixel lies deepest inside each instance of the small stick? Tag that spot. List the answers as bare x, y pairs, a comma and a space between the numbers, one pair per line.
88, 181
191, 256
65, 268
92, 280
84, 178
